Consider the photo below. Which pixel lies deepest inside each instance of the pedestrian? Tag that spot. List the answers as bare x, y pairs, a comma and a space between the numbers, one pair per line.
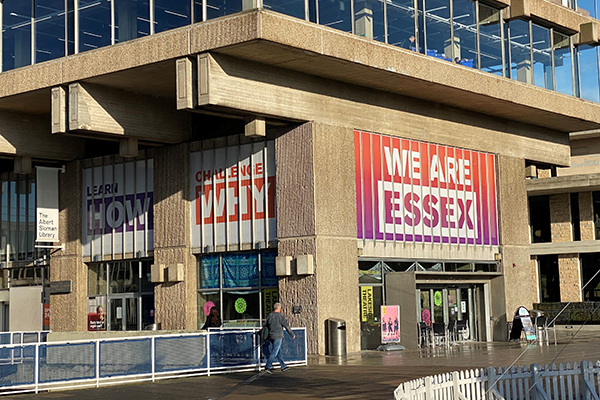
212, 320
275, 324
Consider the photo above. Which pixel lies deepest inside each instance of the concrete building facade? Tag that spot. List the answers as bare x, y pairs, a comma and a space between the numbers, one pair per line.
255, 157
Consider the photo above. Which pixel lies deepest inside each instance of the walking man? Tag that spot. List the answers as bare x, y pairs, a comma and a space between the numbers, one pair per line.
275, 323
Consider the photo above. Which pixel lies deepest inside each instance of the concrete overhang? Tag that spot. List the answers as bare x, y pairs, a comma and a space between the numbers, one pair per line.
278, 40
540, 249
563, 184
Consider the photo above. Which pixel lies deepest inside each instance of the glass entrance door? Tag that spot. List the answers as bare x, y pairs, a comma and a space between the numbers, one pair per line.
445, 304
124, 313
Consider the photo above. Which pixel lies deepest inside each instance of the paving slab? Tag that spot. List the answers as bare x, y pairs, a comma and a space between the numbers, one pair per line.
363, 375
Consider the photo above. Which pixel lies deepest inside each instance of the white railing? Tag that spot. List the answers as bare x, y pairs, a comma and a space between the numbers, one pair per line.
15, 337
570, 381
32, 367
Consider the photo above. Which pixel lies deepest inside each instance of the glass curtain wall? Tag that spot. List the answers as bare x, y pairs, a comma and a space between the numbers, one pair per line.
49, 19
16, 34
589, 73
242, 286
520, 51
563, 63
542, 60
464, 25
490, 40
132, 19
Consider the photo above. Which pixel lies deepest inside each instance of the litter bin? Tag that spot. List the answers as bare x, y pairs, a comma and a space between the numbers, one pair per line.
337, 337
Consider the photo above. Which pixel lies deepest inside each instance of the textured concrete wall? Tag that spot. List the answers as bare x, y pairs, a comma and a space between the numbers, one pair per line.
586, 216
514, 234
175, 302
568, 274
544, 173
296, 227
69, 311
337, 254
560, 217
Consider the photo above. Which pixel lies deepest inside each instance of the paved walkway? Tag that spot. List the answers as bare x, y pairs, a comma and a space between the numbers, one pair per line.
364, 375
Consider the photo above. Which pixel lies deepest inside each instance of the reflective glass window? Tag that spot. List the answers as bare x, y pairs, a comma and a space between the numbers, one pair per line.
563, 63
465, 33
588, 73
589, 6
94, 24
49, 29
70, 26
549, 279
335, 14
589, 268
295, 8
169, 14
539, 219
241, 305
219, 8
369, 19
490, 40
22, 218
401, 23
132, 19
542, 60
520, 51
437, 29
16, 34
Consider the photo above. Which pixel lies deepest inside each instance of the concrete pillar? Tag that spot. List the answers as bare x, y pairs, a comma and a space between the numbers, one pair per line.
68, 312
175, 302
570, 280
364, 19
586, 216
316, 214
514, 239
560, 217
535, 293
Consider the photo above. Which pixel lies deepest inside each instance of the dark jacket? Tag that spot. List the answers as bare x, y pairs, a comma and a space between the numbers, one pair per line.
276, 322
209, 324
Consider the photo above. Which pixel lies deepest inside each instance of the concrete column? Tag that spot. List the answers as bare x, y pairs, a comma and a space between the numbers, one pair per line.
364, 19
175, 302
68, 312
316, 214
586, 216
568, 274
514, 239
560, 217
535, 293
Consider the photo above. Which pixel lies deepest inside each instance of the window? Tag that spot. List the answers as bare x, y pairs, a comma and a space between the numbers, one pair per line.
50, 40
549, 279
169, 14
596, 206
563, 63
16, 34
465, 33
520, 51
295, 8
437, 28
94, 24
588, 73
243, 287
539, 215
490, 40
542, 57
132, 19
335, 14
575, 216
590, 264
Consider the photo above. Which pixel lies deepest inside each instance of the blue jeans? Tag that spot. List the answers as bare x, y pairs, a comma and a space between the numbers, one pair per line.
275, 352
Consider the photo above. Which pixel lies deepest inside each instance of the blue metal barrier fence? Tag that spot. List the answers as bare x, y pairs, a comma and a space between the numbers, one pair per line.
32, 367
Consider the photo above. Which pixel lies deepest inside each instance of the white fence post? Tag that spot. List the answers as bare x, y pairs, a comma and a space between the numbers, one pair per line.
208, 353
428, 389
153, 357
97, 363
36, 365
455, 389
491, 373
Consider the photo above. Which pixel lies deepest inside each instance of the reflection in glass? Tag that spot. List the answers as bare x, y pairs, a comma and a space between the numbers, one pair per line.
369, 19
16, 34
542, 61
588, 72
520, 51
465, 33
437, 29
241, 305
401, 23
203, 299
490, 40
335, 14
295, 8
589, 6
132, 19
49, 29
94, 24
170, 14
563, 59
219, 8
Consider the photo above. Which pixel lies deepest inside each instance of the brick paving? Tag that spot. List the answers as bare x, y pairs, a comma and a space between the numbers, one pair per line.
363, 375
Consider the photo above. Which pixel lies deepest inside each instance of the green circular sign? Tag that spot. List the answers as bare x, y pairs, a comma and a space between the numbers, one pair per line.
240, 305
437, 298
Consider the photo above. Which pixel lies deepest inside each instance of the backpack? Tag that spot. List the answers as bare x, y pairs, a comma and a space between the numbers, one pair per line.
264, 333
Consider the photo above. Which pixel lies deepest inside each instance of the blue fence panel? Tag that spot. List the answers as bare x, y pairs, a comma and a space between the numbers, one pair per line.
30, 337
17, 365
5, 338
180, 353
232, 349
125, 357
293, 349
66, 362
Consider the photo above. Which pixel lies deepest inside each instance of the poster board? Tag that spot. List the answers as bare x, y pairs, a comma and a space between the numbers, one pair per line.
390, 324
527, 324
